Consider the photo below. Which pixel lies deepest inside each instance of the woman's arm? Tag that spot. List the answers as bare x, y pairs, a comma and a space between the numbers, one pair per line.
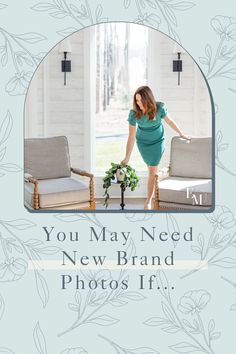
130, 144
174, 126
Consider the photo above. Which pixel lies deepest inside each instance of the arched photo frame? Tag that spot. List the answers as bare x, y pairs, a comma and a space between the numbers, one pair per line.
76, 123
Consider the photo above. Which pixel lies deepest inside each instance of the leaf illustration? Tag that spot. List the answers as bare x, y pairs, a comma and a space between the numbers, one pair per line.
5, 128
163, 284
138, 217
59, 14
211, 326
185, 347
6, 351
168, 312
170, 14
127, 3
73, 307
98, 12
2, 306
132, 295
67, 31
2, 153
151, 3
31, 37
48, 250
204, 61
44, 6
155, 321
20, 224
182, 5
230, 74
143, 350
33, 242
39, 340
192, 327
117, 302
42, 288
71, 217
103, 320
4, 59
2, 6
78, 350
120, 350
225, 262
10, 167
172, 225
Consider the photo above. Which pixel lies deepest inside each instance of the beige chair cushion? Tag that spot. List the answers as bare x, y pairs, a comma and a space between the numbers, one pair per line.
191, 158
56, 192
176, 206
47, 158
174, 190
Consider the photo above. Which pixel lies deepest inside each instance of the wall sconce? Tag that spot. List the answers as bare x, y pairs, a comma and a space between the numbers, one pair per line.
65, 48
178, 64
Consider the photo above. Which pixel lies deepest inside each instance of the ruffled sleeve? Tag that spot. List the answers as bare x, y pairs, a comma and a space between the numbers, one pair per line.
163, 110
131, 118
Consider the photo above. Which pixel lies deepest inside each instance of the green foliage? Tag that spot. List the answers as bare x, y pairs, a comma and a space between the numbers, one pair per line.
130, 179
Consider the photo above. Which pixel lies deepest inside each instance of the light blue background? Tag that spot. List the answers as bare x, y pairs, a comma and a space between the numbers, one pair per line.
26, 325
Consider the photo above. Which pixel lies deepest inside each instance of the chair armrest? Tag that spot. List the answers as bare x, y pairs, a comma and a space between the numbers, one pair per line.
30, 179
80, 172
164, 172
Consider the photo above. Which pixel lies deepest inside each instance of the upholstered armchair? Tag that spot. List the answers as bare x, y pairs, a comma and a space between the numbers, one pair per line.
187, 182
50, 181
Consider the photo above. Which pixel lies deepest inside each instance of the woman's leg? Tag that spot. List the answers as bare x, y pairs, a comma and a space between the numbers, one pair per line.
152, 170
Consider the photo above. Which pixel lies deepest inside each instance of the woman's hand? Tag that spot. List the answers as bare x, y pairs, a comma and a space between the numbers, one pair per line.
187, 137
124, 162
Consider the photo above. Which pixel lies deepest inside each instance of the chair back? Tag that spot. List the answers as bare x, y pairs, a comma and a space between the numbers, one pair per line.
191, 158
46, 158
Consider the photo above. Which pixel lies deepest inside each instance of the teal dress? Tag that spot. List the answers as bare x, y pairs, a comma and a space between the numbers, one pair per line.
150, 137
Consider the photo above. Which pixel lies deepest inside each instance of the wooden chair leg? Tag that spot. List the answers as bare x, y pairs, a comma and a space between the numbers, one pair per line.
91, 188
156, 194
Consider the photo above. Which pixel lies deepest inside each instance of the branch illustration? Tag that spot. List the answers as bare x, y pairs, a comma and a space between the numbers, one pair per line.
192, 302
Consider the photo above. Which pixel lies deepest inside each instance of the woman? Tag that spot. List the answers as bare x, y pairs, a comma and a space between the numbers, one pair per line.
148, 114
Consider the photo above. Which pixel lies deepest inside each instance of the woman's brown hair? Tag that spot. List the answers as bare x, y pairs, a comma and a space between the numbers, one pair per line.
148, 101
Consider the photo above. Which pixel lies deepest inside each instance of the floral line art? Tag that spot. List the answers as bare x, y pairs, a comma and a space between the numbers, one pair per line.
81, 14
87, 307
165, 10
82, 217
5, 131
220, 240
220, 147
191, 304
39, 340
78, 350
17, 253
233, 306
219, 64
120, 350
23, 60
2, 6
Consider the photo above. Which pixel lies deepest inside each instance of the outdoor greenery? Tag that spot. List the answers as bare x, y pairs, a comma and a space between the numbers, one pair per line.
130, 178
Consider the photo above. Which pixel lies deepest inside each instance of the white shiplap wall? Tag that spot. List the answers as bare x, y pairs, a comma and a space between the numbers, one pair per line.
188, 104
54, 109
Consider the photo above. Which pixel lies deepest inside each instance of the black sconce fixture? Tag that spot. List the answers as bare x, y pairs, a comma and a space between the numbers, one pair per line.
65, 48
178, 64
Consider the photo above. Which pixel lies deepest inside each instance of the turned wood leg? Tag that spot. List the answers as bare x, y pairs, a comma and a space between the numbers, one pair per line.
156, 193
91, 188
